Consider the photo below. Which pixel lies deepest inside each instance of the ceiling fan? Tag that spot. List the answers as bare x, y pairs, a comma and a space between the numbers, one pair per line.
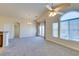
54, 10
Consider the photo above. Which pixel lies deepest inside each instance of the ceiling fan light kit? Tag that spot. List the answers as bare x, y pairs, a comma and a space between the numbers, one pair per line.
53, 11
51, 14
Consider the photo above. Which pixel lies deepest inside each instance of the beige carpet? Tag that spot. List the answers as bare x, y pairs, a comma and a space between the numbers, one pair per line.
36, 46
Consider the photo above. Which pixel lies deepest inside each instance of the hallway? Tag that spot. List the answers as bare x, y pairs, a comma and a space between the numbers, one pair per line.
36, 46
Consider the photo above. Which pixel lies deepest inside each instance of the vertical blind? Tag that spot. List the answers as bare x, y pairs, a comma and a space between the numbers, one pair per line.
69, 29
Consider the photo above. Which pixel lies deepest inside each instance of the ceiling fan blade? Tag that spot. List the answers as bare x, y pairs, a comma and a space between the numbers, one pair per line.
61, 7
60, 13
49, 7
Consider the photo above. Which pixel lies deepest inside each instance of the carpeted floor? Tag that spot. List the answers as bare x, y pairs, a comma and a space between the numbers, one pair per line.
36, 46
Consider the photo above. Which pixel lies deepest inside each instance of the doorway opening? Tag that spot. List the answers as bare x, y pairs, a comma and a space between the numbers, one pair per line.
17, 30
42, 29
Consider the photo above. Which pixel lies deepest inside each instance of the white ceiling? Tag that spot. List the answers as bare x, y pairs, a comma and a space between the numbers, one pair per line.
72, 7
28, 10
24, 10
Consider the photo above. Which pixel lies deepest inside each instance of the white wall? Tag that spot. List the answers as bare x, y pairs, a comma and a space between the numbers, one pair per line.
27, 30
7, 24
10, 29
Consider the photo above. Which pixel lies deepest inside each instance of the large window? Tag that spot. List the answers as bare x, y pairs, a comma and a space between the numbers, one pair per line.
74, 29
55, 29
69, 27
64, 33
